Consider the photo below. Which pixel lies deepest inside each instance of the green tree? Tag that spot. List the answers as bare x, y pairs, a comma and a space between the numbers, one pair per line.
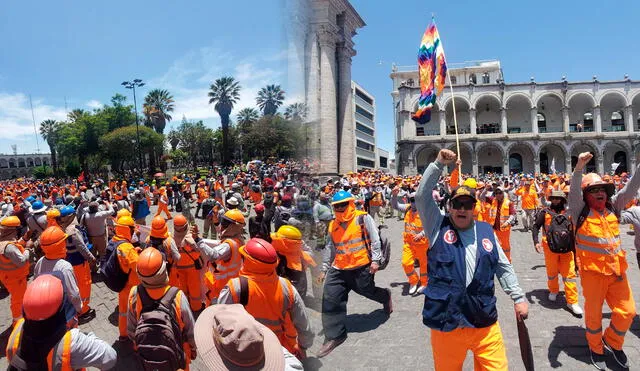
79, 137
49, 131
117, 115
119, 146
273, 136
246, 117
296, 112
157, 105
224, 92
270, 98
196, 140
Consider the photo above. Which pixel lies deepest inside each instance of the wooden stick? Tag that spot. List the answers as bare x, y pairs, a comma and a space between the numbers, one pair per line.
455, 124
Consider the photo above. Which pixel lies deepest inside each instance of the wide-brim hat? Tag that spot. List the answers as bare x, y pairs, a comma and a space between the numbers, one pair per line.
558, 194
228, 338
36, 210
610, 188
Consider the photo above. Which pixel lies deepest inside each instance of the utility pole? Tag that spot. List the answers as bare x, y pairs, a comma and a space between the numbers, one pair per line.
132, 85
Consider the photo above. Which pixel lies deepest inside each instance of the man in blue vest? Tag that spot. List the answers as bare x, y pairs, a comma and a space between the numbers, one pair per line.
463, 259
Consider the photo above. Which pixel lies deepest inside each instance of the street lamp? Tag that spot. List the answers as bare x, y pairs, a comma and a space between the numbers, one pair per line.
132, 85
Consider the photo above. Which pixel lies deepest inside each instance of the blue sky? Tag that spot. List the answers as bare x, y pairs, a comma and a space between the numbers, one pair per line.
544, 39
83, 50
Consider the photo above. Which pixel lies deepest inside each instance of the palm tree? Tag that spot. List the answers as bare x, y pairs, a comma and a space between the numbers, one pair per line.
159, 103
246, 117
296, 112
224, 92
48, 130
270, 98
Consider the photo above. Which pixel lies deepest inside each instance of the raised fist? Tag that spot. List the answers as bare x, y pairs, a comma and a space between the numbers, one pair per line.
446, 156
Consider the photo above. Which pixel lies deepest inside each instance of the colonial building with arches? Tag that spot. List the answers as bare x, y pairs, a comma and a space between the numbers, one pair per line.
15, 166
527, 127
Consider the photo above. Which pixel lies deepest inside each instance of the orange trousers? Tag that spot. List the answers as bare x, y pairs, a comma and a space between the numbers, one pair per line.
16, 285
191, 285
83, 276
123, 307
213, 287
561, 264
596, 288
450, 348
504, 239
163, 207
409, 253
174, 280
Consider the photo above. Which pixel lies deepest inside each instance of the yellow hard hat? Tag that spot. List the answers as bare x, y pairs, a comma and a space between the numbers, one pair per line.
290, 232
471, 183
10, 221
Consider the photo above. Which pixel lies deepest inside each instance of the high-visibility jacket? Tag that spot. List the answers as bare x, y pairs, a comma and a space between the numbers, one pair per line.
351, 248
486, 209
188, 254
376, 200
202, 195
228, 269
292, 251
478, 212
504, 214
529, 196
62, 349
270, 302
255, 197
598, 244
7, 266
413, 226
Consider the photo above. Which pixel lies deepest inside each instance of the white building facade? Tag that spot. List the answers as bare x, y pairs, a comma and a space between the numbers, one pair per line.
364, 126
525, 127
15, 166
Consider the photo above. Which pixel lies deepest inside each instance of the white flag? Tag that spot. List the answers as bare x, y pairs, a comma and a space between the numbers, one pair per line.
614, 167
553, 165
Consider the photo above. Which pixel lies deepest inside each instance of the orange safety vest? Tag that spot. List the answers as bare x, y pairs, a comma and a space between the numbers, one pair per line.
7, 266
351, 249
376, 200
63, 348
413, 226
270, 305
598, 244
504, 214
478, 212
255, 197
228, 269
188, 255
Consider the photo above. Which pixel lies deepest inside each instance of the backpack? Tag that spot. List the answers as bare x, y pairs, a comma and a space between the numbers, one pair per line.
385, 245
157, 336
559, 233
76, 258
114, 277
284, 214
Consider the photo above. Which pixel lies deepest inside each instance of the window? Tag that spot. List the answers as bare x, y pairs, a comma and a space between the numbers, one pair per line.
419, 131
383, 161
617, 120
454, 80
485, 78
364, 162
364, 113
364, 145
366, 98
364, 129
472, 79
588, 122
542, 123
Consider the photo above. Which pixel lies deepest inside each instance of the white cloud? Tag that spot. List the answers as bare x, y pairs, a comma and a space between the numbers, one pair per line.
93, 104
15, 114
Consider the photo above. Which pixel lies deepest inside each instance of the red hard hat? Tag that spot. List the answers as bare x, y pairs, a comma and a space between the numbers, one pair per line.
261, 250
259, 208
43, 297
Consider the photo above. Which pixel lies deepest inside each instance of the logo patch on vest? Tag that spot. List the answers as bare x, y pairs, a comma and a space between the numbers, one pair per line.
450, 237
487, 245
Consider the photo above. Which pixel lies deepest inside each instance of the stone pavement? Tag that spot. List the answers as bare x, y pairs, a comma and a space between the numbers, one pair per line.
401, 342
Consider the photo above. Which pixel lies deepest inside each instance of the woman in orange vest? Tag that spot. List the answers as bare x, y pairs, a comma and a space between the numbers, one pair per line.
294, 258
190, 267
501, 215
270, 299
602, 261
14, 264
224, 256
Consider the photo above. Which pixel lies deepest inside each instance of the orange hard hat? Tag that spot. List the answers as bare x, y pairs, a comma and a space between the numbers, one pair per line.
159, 228
593, 180
235, 216
260, 250
43, 297
149, 262
10, 221
179, 220
52, 235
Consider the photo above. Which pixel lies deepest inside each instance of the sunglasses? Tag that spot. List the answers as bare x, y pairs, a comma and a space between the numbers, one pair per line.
462, 205
225, 223
340, 206
597, 190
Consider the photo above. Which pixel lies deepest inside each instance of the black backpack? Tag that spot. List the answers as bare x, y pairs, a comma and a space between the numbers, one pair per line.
385, 245
157, 336
114, 277
559, 233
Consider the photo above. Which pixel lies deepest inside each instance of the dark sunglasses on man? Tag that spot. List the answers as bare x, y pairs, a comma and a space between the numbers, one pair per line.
462, 205
340, 206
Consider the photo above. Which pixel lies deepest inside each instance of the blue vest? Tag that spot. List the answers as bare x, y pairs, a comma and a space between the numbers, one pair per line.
450, 304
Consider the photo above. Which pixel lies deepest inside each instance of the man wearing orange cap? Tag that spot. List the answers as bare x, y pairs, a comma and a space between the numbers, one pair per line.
42, 340
190, 267
53, 242
161, 239
602, 261
154, 349
14, 264
264, 294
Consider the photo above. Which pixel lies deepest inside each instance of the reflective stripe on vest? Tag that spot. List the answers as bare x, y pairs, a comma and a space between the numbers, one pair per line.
5, 263
230, 268
598, 244
504, 213
61, 350
351, 250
